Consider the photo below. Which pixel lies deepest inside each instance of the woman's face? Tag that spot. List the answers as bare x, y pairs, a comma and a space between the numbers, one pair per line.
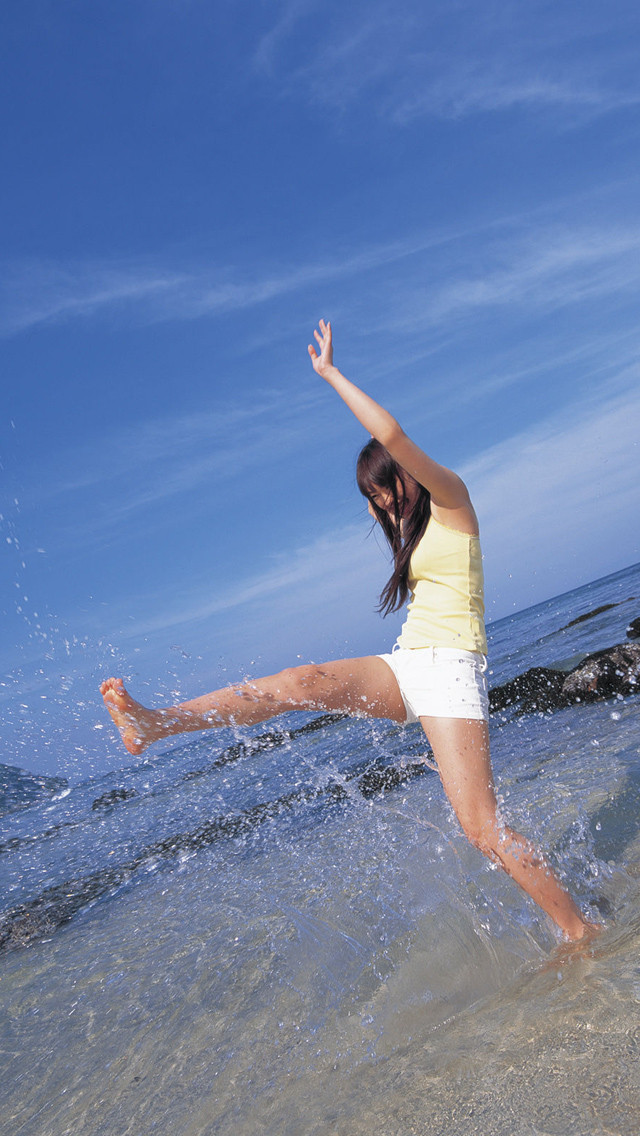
407, 497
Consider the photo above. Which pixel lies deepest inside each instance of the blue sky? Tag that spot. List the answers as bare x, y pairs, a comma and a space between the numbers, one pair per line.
191, 185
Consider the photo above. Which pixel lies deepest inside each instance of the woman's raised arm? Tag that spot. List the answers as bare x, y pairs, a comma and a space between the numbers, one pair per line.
448, 491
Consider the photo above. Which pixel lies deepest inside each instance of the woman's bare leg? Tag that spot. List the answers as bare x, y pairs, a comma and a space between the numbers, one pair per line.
461, 749
356, 686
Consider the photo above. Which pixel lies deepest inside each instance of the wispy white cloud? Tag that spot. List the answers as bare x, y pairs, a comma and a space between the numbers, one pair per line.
450, 60
33, 293
556, 266
36, 292
594, 358
331, 566
138, 468
472, 90
519, 259
561, 499
286, 20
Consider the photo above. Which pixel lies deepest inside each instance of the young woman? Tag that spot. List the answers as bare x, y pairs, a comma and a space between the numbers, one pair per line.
436, 673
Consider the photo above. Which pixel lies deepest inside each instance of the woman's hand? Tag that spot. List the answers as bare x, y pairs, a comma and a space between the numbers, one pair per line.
323, 362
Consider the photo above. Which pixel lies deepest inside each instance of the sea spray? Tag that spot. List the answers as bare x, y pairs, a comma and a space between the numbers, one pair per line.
346, 965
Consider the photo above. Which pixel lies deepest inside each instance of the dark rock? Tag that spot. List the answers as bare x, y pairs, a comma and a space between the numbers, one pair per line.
318, 724
107, 800
616, 670
379, 778
603, 674
261, 742
40, 916
633, 630
537, 689
588, 615
596, 611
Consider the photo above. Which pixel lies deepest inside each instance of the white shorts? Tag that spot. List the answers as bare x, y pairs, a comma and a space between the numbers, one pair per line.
440, 682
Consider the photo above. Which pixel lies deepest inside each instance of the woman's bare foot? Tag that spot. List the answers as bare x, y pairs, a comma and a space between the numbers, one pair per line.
138, 726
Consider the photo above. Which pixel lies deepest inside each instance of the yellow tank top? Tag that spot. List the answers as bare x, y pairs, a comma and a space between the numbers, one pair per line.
447, 592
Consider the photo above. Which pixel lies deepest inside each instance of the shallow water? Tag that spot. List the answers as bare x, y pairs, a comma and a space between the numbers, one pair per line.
347, 963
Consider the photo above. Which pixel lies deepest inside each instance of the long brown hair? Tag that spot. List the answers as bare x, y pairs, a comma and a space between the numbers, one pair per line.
376, 470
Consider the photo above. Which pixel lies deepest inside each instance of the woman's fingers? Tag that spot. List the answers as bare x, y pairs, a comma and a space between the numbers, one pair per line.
324, 335
325, 329
323, 339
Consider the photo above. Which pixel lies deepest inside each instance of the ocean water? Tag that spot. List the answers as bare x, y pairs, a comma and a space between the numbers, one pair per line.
282, 930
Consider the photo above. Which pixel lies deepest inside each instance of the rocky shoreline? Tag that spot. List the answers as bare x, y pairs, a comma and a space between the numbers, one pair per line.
611, 672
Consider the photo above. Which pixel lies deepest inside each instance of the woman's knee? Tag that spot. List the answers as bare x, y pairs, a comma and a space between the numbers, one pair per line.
498, 842
299, 684
484, 832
